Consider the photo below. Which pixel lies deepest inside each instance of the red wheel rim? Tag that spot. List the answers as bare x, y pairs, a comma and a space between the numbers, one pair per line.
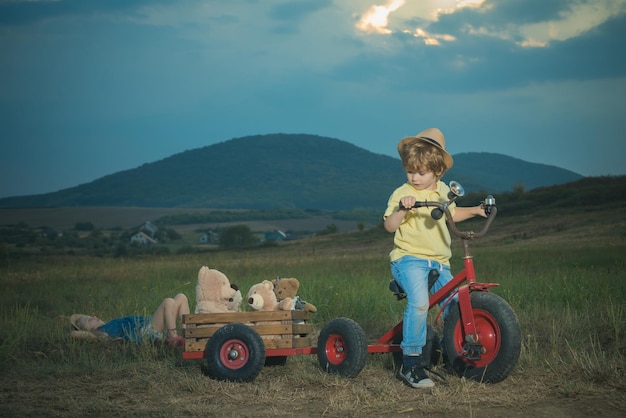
335, 349
234, 354
488, 335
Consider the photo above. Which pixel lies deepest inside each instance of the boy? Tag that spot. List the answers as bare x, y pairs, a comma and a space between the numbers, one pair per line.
421, 243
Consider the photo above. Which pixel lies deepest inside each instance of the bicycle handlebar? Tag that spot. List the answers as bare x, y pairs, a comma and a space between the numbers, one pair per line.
441, 208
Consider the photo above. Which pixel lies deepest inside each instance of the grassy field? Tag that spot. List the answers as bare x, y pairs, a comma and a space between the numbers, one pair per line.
564, 277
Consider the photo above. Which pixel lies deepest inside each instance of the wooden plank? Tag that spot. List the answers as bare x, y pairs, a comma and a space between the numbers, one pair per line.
273, 343
200, 332
231, 317
303, 342
207, 331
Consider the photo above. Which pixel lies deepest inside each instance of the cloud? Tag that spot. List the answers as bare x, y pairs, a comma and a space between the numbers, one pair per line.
511, 20
551, 21
487, 46
375, 19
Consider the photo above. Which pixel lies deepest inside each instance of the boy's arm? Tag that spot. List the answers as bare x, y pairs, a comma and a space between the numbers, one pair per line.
461, 214
393, 221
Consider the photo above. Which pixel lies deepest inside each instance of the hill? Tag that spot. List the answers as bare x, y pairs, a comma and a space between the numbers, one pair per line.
283, 171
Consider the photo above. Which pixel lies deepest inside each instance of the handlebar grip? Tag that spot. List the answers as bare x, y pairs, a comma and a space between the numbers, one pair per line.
436, 213
415, 205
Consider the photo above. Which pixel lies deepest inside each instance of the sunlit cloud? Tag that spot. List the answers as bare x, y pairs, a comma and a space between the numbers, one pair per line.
450, 7
572, 23
577, 19
430, 39
375, 19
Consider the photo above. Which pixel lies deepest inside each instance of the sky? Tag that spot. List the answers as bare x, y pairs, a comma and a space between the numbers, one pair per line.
93, 87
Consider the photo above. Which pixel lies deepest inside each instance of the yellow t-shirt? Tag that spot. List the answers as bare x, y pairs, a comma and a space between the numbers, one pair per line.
419, 234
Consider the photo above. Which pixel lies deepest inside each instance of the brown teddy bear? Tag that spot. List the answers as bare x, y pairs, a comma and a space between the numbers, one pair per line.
234, 303
261, 297
288, 288
214, 293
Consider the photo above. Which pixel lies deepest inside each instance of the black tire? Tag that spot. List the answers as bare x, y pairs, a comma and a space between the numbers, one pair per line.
498, 333
276, 361
342, 347
431, 352
235, 353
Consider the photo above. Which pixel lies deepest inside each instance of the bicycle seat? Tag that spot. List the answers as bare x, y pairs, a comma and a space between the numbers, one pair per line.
397, 290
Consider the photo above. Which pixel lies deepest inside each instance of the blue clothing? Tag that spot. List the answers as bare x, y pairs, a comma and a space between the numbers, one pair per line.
131, 328
412, 274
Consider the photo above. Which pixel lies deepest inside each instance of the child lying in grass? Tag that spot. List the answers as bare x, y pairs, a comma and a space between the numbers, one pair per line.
161, 325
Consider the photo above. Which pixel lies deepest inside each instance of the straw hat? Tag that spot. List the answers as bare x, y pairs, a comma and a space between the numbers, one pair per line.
431, 136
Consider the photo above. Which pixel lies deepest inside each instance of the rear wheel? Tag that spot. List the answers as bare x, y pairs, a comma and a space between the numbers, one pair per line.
497, 350
235, 353
342, 347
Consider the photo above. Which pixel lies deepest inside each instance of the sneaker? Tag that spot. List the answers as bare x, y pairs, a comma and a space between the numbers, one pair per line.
415, 377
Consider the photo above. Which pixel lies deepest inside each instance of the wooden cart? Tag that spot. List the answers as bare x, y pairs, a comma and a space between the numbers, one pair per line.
237, 345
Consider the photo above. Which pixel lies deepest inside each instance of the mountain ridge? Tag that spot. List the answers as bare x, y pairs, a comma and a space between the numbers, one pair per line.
284, 171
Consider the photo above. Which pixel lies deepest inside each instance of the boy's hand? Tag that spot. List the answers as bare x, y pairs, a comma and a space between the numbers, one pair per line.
407, 202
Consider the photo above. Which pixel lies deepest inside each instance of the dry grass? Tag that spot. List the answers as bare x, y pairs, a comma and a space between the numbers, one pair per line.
572, 363
170, 388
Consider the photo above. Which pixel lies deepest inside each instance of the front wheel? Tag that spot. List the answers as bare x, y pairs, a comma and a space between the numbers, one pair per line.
499, 340
235, 353
342, 347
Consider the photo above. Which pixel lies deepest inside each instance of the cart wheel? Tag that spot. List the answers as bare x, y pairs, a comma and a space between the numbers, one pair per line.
499, 336
431, 352
235, 353
342, 347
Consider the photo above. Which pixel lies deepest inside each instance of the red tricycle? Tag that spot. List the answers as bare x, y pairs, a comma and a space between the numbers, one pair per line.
481, 334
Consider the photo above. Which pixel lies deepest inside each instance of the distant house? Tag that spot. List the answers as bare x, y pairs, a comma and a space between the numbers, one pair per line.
275, 236
149, 228
49, 232
142, 238
210, 237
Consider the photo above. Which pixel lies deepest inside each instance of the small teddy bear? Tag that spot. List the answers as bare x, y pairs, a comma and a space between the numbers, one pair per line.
214, 293
288, 288
261, 297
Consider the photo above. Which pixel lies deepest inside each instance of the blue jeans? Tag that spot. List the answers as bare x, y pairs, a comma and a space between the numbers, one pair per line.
412, 274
